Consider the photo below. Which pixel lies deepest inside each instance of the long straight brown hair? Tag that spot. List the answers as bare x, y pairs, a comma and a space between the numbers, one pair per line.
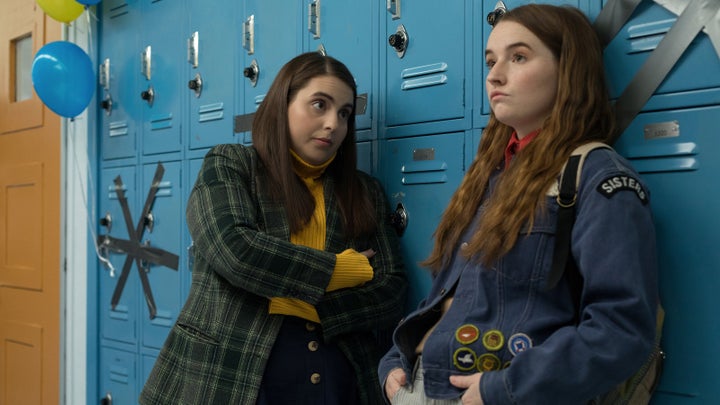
581, 113
271, 139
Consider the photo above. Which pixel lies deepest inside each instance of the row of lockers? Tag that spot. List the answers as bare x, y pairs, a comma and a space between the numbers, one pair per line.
424, 112
174, 75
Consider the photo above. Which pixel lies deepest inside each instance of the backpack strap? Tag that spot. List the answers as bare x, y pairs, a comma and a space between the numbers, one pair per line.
566, 196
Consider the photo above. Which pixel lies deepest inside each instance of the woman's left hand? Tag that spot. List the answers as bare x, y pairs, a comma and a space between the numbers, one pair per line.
471, 384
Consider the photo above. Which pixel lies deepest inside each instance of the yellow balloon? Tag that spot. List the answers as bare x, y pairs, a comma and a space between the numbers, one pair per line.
62, 10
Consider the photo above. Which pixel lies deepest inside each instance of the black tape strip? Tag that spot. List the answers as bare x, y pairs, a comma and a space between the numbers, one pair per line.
149, 254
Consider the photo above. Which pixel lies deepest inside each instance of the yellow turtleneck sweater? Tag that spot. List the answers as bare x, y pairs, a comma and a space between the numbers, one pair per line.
351, 267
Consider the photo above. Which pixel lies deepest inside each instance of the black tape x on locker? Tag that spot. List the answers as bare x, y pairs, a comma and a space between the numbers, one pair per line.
133, 248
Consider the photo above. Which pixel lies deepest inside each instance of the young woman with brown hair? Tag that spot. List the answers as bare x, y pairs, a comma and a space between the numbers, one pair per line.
492, 331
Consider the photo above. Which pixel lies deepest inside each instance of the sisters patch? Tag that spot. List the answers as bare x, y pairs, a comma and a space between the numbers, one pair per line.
612, 185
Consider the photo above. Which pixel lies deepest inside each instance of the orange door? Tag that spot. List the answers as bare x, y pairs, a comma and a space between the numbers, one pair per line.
30, 209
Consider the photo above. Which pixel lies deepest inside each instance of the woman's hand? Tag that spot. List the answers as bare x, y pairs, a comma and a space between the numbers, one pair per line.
471, 384
395, 380
368, 253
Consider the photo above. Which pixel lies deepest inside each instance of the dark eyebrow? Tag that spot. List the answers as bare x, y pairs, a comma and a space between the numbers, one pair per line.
329, 97
512, 46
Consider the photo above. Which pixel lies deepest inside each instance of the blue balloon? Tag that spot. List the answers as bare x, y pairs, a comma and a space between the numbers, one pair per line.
62, 75
88, 2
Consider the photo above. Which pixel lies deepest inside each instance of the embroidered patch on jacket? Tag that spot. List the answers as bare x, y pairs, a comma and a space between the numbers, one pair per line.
613, 184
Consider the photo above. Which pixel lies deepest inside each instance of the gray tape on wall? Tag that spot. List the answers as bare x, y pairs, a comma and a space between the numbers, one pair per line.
695, 16
612, 17
712, 27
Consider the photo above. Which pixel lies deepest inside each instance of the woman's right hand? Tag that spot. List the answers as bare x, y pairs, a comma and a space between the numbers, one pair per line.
394, 381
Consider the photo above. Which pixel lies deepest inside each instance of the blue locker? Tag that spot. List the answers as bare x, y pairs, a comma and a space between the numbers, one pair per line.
365, 157
270, 36
161, 79
349, 40
427, 65
165, 233
213, 73
120, 20
117, 324
674, 151
118, 381
420, 175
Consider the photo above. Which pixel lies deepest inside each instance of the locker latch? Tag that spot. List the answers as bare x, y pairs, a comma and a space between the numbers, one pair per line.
248, 37
314, 18
104, 74
146, 62
252, 72
399, 219
393, 7
399, 40
104, 79
193, 51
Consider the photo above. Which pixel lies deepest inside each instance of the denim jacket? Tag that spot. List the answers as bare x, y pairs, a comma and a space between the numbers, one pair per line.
533, 343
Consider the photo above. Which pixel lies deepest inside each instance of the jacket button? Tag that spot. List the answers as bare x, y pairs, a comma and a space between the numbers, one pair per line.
315, 378
313, 345
310, 326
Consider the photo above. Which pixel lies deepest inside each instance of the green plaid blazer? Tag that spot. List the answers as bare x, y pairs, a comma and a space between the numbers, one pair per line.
217, 349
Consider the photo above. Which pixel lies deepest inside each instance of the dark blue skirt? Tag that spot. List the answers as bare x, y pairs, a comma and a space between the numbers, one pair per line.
304, 370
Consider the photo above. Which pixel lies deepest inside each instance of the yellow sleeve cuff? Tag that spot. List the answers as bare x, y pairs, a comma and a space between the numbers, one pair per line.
294, 307
351, 269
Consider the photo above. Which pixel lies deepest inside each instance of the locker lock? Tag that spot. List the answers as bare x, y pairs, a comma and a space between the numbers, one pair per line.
494, 16
106, 400
399, 219
252, 72
196, 84
399, 40
106, 221
148, 95
106, 104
